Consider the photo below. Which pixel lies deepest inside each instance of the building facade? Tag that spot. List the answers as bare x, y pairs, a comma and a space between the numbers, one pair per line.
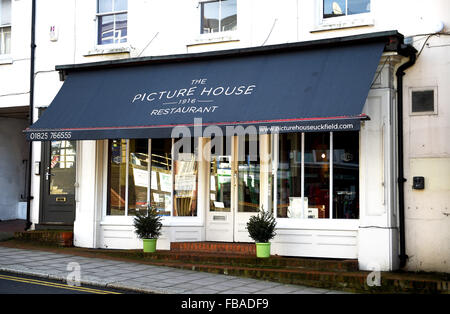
335, 194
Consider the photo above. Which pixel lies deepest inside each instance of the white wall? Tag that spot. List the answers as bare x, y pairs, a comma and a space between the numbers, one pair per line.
13, 150
162, 27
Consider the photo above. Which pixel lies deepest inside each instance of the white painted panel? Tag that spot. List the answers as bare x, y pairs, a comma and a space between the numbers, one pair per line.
316, 243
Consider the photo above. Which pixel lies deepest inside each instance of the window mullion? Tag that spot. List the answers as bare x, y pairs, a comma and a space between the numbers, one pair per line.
220, 16
302, 176
276, 153
331, 176
149, 190
127, 152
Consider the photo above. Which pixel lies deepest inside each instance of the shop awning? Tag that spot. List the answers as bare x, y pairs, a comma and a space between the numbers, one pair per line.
278, 90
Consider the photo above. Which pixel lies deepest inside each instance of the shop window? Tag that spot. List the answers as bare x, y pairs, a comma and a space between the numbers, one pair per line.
220, 175
218, 16
186, 182
161, 177
423, 101
345, 175
306, 175
135, 180
112, 17
248, 174
336, 8
5, 27
289, 189
317, 174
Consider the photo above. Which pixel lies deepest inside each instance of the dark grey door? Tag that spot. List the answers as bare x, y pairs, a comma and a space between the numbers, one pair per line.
58, 182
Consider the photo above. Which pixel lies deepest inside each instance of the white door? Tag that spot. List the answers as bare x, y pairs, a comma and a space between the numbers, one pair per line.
234, 192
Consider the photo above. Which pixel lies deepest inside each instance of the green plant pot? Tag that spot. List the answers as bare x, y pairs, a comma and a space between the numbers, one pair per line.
263, 250
149, 245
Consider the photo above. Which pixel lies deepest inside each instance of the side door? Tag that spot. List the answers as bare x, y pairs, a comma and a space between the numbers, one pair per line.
58, 183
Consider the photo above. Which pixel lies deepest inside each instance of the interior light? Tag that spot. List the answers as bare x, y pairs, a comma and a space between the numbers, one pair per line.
323, 156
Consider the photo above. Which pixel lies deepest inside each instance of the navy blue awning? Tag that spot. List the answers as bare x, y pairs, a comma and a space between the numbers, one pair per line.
285, 91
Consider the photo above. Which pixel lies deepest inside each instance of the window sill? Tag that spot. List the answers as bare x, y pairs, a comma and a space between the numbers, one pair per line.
215, 38
5, 59
335, 24
107, 51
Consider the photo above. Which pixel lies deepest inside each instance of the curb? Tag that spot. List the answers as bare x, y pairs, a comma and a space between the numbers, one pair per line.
111, 285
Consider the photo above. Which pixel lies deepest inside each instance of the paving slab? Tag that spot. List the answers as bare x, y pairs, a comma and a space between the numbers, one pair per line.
137, 277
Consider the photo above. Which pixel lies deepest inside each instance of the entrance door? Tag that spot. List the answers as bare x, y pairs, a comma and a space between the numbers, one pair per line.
234, 190
58, 183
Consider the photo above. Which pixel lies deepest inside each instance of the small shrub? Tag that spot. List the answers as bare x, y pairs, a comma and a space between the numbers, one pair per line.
148, 224
261, 227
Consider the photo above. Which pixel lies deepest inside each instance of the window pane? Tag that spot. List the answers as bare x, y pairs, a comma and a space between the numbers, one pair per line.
161, 176
117, 177
289, 176
138, 175
120, 5
248, 174
423, 101
120, 35
106, 29
5, 40
210, 17
317, 174
185, 190
105, 6
62, 168
5, 12
332, 8
220, 180
346, 175
229, 16
358, 6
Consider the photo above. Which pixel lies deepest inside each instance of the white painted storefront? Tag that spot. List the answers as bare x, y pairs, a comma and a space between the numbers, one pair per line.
373, 237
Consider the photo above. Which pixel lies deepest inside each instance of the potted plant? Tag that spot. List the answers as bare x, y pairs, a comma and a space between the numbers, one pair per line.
148, 226
261, 229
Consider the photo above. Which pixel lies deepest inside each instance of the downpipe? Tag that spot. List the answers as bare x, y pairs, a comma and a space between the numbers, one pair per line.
410, 52
30, 149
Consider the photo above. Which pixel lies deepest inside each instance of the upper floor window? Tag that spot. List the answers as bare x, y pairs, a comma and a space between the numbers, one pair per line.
112, 20
218, 16
335, 8
5, 27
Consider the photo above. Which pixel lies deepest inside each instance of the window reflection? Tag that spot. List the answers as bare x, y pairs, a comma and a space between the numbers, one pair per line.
317, 174
220, 178
117, 177
218, 16
62, 168
289, 176
346, 175
138, 178
334, 8
161, 180
248, 174
186, 184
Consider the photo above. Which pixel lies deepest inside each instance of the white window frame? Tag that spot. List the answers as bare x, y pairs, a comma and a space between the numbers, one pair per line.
342, 22
128, 220
275, 161
422, 89
98, 45
218, 37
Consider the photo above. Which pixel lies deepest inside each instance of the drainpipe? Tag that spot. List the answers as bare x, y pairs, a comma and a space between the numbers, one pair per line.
30, 154
410, 52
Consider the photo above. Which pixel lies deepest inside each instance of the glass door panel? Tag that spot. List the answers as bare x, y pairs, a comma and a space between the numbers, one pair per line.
248, 175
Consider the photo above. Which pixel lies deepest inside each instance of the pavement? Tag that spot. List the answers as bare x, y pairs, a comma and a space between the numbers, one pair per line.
137, 277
